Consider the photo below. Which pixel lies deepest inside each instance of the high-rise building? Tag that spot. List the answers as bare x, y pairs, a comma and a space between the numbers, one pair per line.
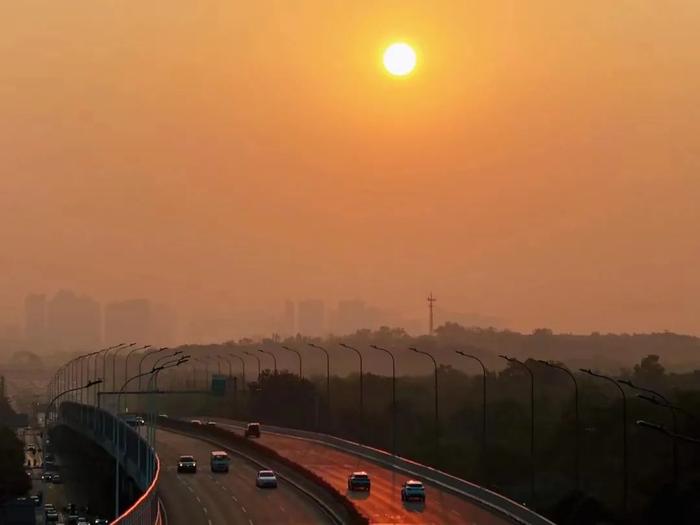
35, 320
128, 321
73, 322
311, 319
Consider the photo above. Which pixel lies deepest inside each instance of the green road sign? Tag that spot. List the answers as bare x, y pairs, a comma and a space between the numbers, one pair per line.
218, 385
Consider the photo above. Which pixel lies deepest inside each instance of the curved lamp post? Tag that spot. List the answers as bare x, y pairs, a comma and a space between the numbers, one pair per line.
483, 400
362, 386
228, 361
393, 395
437, 397
301, 374
126, 359
624, 431
663, 430
49, 407
328, 371
146, 355
665, 403
257, 358
117, 434
532, 421
274, 358
242, 366
577, 428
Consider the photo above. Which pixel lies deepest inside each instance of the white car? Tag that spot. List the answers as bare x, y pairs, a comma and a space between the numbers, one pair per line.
195, 422
266, 478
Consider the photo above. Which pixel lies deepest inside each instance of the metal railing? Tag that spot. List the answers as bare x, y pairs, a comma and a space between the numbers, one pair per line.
136, 456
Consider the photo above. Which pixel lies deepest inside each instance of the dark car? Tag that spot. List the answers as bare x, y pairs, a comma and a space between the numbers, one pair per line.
359, 481
187, 464
252, 430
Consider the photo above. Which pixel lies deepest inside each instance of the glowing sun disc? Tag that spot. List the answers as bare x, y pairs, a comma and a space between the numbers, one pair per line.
399, 59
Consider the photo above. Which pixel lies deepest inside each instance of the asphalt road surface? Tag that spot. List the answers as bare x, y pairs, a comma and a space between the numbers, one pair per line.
383, 504
225, 498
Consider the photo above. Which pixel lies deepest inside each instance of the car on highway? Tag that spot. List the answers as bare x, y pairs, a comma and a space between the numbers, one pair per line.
252, 430
413, 490
82, 521
46, 476
56, 479
195, 421
266, 479
140, 421
101, 521
187, 464
211, 423
219, 461
50, 512
359, 481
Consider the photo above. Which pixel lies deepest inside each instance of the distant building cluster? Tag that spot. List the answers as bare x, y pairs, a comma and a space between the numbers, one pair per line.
71, 322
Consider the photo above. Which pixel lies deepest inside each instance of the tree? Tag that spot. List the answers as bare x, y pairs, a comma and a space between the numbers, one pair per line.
649, 371
13, 480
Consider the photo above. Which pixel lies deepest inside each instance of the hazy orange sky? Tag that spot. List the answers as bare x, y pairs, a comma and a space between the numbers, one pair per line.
541, 165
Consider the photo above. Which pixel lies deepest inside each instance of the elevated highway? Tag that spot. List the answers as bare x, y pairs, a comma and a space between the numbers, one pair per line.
383, 505
208, 498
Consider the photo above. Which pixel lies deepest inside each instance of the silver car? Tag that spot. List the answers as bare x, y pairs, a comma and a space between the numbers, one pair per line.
266, 479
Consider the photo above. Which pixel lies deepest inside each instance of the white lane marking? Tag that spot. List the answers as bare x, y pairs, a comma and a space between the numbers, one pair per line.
198, 500
234, 498
190, 489
205, 510
250, 522
210, 522
243, 509
282, 508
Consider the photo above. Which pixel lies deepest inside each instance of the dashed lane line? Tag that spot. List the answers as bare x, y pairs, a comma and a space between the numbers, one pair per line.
243, 509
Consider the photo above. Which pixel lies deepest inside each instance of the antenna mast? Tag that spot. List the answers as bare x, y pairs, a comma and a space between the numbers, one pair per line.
430, 300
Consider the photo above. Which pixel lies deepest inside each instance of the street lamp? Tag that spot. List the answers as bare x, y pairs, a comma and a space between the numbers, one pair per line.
257, 358
532, 422
117, 434
577, 441
483, 400
664, 430
70, 390
106, 354
114, 364
393, 395
228, 361
328, 372
437, 411
665, 403
624, 431
242, 366
146, 354
126, 359
362, 386
274, 358
301, 375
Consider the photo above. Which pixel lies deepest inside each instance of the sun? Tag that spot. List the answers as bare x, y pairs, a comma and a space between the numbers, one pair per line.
399, 59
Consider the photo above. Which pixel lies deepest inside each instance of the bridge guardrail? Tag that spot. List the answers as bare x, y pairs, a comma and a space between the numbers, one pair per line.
483, 496
138, 459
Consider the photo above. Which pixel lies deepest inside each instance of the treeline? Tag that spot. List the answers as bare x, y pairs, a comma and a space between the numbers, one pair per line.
13, 479
503, 461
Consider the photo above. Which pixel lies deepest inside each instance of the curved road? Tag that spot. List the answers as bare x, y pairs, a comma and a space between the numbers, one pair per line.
383, 505
221, 499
